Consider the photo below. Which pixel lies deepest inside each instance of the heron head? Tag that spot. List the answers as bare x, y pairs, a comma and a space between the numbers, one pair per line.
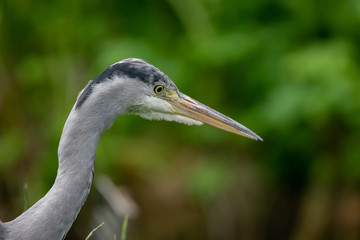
135, 86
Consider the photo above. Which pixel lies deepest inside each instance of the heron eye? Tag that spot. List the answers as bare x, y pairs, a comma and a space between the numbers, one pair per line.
158, 89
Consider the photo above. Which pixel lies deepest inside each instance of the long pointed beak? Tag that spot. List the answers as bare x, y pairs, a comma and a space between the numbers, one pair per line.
188, 107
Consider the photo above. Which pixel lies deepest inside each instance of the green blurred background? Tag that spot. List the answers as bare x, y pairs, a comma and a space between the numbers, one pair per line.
288, 70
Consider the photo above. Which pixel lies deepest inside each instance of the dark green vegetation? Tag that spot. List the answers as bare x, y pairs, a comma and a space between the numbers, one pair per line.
289, 70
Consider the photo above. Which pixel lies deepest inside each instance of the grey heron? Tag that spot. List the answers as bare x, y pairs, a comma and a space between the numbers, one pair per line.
129, 86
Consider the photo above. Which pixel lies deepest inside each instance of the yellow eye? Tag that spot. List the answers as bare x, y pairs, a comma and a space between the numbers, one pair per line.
159, 89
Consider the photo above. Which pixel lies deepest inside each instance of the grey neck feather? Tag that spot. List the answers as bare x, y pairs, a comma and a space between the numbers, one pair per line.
52, 216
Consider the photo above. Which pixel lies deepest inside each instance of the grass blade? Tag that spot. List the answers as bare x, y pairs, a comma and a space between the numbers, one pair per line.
124, 227
91, 233
26, 197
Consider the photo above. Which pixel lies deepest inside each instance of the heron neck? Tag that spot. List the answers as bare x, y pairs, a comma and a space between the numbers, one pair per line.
57, 210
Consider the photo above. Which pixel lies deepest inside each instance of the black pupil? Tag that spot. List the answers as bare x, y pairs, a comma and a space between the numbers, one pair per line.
158, 89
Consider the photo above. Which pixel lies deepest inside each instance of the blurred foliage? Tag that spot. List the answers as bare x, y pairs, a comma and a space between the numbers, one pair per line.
289, 70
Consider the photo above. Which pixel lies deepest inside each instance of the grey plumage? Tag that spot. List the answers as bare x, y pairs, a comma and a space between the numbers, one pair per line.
125, 87
2, 231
